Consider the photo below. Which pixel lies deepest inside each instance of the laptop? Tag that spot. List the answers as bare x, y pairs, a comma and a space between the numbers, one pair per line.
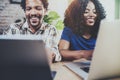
105, 62
23, 60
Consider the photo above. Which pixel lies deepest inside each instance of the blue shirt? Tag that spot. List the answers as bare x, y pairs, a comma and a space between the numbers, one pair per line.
77, 42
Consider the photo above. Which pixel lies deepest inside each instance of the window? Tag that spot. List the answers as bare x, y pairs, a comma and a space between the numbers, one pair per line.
117, 9
15, 1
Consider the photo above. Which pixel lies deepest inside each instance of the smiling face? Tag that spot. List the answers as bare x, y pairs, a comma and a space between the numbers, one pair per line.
34, 12
90, 14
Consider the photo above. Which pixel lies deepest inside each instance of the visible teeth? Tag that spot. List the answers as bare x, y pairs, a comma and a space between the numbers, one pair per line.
91, 20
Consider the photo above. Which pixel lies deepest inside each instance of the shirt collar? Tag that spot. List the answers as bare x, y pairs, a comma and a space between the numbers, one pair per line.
43, 26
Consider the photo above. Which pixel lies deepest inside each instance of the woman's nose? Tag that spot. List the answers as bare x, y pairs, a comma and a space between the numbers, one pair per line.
92, 14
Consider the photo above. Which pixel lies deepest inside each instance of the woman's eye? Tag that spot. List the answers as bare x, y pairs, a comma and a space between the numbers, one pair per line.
94, 11
86, 12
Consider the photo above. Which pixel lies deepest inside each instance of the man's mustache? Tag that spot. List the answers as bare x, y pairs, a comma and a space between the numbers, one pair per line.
35, 16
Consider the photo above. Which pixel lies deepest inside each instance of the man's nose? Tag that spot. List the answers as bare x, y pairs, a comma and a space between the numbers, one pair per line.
33, 12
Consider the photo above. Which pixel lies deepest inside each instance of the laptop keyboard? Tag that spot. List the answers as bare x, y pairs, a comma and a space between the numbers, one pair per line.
86, 69
53, 73
84, 65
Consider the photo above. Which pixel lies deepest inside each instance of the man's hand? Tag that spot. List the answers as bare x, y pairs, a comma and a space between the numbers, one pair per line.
50, 55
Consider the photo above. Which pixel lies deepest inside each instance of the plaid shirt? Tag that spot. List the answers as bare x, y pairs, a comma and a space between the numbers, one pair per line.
47, 32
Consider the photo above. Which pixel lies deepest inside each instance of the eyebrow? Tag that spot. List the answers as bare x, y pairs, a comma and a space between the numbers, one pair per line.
89, 9
34, 6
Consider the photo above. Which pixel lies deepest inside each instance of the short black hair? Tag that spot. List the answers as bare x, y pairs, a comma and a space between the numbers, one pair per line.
45, 4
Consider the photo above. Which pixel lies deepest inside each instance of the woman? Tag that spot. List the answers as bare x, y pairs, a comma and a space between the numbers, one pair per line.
82, 20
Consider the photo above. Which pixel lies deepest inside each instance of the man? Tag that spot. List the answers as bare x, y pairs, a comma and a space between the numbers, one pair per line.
35, 11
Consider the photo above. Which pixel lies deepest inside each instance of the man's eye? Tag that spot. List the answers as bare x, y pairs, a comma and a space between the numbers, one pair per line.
28, 8
38, 8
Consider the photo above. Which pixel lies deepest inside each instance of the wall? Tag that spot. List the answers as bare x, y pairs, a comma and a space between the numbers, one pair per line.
58, 6
9, 13
109, 6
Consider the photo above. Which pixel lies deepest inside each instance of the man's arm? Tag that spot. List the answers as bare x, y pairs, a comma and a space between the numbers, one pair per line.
11, 29
53, 43
72, 55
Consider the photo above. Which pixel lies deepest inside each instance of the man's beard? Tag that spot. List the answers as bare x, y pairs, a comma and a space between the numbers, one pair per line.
35, 21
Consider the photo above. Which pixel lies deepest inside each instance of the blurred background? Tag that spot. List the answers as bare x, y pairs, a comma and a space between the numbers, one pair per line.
10, 12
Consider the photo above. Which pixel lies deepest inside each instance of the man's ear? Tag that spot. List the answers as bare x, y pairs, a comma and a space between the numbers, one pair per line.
45, 12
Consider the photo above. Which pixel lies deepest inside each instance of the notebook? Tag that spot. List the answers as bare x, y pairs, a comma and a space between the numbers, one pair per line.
105, 62
23, 60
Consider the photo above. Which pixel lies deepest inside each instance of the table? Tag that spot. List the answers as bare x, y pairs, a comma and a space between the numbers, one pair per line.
63, 73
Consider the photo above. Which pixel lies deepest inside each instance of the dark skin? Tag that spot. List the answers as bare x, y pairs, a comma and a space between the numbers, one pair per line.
35, 12
73, 55
64, 45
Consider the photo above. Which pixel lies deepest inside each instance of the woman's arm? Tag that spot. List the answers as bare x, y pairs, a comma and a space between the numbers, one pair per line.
72, 55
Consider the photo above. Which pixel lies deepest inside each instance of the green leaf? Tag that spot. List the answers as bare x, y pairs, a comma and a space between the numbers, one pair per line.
53, 18
59, 25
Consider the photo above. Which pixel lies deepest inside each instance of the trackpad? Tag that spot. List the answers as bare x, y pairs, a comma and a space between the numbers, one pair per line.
53, 73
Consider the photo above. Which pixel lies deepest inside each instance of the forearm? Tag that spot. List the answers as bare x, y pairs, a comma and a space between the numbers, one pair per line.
52, 44
72, 55
57, 56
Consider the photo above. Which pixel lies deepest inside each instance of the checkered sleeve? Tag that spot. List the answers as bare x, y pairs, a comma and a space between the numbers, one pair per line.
54, 42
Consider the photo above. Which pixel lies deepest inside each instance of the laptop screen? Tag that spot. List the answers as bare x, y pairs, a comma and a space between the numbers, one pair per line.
106, 57
23, 60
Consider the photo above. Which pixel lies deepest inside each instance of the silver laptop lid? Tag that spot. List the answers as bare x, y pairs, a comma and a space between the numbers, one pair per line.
106, 59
